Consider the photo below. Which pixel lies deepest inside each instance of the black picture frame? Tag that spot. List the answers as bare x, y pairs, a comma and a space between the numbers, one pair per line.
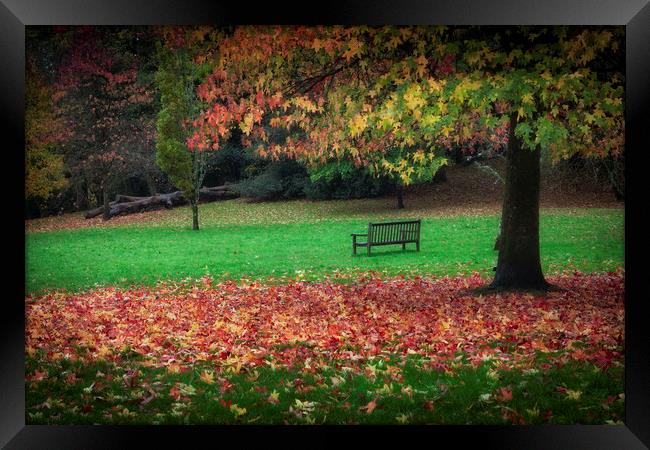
633, 14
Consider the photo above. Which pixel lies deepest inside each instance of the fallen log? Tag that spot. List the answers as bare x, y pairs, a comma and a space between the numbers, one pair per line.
148, 204
127, 204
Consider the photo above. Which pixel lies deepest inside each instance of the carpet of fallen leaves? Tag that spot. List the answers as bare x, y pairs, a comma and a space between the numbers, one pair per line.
245, 324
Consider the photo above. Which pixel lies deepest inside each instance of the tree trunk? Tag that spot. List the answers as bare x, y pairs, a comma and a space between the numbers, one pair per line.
519, 265
400, 196
195, 215
107, 208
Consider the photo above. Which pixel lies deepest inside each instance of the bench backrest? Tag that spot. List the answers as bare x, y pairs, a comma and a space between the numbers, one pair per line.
397, 232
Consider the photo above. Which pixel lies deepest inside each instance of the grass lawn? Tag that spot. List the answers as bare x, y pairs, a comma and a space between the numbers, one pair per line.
304, 246
106, 393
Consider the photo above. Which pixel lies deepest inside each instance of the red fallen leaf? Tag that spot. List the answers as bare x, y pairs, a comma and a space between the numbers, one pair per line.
428, 405
37, 376
505, 394
71, 378
225, 404
175, 393
370, 407
86, 408
260, 389
561, 389
548, 415
225, 386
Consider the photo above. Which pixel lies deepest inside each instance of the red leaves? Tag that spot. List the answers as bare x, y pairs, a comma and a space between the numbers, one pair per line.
370, 407
239, 327
505, 395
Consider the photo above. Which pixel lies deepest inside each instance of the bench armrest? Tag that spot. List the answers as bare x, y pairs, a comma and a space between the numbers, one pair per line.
359, 234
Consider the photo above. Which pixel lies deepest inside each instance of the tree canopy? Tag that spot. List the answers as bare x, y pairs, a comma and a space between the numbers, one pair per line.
392, 98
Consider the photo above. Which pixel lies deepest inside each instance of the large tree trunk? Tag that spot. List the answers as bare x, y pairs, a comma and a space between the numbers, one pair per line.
400, 196
519, 265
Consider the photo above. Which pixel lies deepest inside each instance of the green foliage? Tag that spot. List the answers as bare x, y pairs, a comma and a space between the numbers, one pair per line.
281, 179
342, 180
172, 155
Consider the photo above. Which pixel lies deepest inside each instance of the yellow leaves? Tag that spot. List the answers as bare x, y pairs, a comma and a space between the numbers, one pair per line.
413, 97
473, 58
247, 125
599, 113
447, 129
419, 156
520, 113
435, 85
573, 395
430, 119
402, 419
236, 410
421, 62
207, 377
393, 42
274, 398
357, 124
305, 104
527, 98
354, 49
464, 88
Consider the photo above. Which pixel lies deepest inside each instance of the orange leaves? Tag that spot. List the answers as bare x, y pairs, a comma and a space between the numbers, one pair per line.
242, 326
370, 407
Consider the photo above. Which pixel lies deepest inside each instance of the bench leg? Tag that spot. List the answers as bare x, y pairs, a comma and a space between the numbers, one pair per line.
417, 244
403, 247
368, 249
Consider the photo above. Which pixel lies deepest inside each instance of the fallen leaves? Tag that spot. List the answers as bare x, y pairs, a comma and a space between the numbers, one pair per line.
370, 407
238, 327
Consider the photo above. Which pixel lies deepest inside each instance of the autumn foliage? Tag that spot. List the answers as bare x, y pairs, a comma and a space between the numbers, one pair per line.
246, 325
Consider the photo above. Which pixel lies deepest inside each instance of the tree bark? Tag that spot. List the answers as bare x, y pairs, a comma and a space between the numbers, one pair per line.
400, 196
195, 215
106, 209
519, 265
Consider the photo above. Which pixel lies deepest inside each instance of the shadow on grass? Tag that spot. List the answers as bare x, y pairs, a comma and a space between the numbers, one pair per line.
488, 289
388, 253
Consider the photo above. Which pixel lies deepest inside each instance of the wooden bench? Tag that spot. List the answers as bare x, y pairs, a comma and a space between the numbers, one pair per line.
389, 233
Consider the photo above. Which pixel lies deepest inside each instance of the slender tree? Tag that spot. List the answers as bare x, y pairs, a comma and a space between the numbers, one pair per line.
182, 55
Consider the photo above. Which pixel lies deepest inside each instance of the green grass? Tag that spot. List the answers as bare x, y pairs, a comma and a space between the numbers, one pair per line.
416, 395
584, 239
